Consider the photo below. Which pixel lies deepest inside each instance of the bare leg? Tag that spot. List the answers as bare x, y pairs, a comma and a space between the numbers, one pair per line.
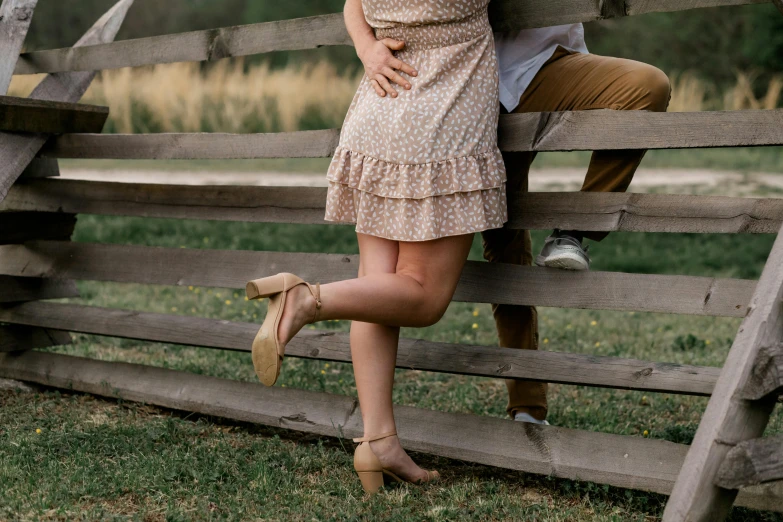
416, 295
399, 284
374, 354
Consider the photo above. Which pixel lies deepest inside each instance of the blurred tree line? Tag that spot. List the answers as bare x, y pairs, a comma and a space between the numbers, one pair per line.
712, 42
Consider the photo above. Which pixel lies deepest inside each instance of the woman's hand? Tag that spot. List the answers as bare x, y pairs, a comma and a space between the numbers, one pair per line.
382, 67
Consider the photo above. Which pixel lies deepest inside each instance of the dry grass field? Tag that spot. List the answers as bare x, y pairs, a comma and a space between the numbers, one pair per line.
231, 97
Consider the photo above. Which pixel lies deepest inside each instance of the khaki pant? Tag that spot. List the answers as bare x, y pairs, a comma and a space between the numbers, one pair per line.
568, 82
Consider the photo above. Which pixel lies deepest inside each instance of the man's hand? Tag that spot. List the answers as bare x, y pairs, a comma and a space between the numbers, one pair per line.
382, 67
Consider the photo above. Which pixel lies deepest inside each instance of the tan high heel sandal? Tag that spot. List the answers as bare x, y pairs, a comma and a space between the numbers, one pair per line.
372, 473
268, 351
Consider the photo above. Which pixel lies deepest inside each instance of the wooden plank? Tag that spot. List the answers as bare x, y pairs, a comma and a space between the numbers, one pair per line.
15, 289
644, 212
413, 354
535, 131
41, 168
305, 205
17, 338
729, 419
319, 31
565, 131
480, 283
207, 45
618, 460
26, 115
752, 462
18, 227
17, 150
766, 378
15, 18
204, 145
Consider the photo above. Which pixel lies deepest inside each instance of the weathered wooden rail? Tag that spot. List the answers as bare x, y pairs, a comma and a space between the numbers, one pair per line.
38, 262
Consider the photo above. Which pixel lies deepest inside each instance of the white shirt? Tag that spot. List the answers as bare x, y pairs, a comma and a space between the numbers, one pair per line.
521, 54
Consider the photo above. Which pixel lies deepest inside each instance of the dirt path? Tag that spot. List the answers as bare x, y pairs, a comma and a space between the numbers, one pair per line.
540, 179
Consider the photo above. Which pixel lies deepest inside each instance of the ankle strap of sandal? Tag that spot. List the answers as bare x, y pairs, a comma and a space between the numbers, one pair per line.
375, 437
316, 291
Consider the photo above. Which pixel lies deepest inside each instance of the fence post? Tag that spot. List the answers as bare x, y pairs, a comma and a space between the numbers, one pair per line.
17, 151
730, 418
15, 18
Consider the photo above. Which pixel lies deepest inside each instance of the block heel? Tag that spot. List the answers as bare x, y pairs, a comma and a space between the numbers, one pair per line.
268, 351
371, 472
371, 480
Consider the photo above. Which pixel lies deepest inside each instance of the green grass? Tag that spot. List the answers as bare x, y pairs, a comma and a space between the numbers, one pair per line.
99, 459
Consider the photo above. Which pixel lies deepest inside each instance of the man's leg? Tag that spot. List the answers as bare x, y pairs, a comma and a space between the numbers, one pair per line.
573, 81
517, 325
569, 81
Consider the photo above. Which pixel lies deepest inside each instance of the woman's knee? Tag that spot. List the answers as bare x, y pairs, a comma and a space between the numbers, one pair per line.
428, 302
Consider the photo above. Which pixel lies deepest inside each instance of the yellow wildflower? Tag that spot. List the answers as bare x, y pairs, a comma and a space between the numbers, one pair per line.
475, 312
475, 326
173, 308
228, 301
597, 344
546, 341
38, 431
190, 288
593, 323
323, 372
646, 433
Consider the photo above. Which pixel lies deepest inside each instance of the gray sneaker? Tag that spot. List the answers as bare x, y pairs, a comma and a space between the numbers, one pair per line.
563, 251
526, 417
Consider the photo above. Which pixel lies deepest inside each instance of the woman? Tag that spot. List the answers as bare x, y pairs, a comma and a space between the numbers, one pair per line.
419, 172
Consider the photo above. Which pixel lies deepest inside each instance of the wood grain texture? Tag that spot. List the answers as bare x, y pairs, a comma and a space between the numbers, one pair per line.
618, 460
729, 419
413, 354
18, 150
766, 378
15, 289
305, 205
319, 31
18, 227
17, 338
576, 130
480, 282
539, 131
45, 116
41, 168
752, 462
300, 144
15, 19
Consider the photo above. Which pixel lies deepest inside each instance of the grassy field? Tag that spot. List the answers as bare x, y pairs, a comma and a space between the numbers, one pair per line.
66, 456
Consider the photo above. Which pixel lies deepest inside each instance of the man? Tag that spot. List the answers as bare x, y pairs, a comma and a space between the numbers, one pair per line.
544, 70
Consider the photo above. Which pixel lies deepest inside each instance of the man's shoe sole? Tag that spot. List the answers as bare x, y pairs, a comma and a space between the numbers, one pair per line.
563, 261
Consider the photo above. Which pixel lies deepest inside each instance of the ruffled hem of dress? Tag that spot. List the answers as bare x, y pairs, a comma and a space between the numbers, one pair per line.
423, 219
417, 181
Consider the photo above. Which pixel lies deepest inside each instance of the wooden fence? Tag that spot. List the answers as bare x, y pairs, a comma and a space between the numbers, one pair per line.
38, 262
